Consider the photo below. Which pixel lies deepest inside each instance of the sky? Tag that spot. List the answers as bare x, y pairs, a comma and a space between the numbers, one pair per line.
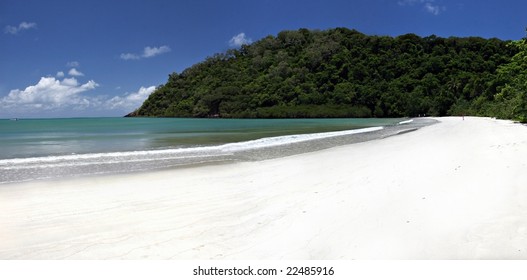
102, 58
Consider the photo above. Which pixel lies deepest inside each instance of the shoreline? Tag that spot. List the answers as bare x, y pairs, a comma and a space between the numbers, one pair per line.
18, 170
453, 190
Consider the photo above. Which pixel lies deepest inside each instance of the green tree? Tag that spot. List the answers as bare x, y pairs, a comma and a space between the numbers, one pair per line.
512, 99
343, 73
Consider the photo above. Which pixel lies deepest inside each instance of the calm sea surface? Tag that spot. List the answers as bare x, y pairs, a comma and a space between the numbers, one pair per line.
53, 148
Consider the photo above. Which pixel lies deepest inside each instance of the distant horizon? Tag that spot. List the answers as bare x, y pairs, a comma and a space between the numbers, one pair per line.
103, 59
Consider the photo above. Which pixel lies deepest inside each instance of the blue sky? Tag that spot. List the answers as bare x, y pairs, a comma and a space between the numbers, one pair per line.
103, 57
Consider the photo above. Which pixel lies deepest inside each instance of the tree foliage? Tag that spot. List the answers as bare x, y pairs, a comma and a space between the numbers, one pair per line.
511, 100
344, 73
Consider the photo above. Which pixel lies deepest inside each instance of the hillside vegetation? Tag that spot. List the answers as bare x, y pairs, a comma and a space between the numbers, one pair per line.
344, 73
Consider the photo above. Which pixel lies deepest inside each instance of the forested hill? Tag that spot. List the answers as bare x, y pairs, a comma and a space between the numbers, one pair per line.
344, 73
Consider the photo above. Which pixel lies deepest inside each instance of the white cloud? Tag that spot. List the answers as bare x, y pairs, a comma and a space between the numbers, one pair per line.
75, 72
434, 9
67, 97
48, 94
147, 53
130, 101
26, 25
150, 52
73, 64
239, 40
129, 56
22, 26
429, 6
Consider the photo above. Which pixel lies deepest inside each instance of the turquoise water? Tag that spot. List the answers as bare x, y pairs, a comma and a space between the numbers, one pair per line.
48, 148
45, 137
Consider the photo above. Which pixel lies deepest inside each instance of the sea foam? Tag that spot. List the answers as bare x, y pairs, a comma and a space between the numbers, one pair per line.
170, 154
406, 122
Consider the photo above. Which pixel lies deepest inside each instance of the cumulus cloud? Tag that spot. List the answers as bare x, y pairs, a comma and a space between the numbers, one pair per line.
147, 53
69, 97
75, 72
64, 95
130, 101
48, 93
429, 6
239, 40
21, 27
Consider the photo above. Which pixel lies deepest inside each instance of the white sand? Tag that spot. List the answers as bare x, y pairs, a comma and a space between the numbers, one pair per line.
455, 190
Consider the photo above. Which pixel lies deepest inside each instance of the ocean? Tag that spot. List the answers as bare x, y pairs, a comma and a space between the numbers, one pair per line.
33, 149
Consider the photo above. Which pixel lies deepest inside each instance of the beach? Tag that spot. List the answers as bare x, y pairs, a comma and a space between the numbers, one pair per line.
452, 190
